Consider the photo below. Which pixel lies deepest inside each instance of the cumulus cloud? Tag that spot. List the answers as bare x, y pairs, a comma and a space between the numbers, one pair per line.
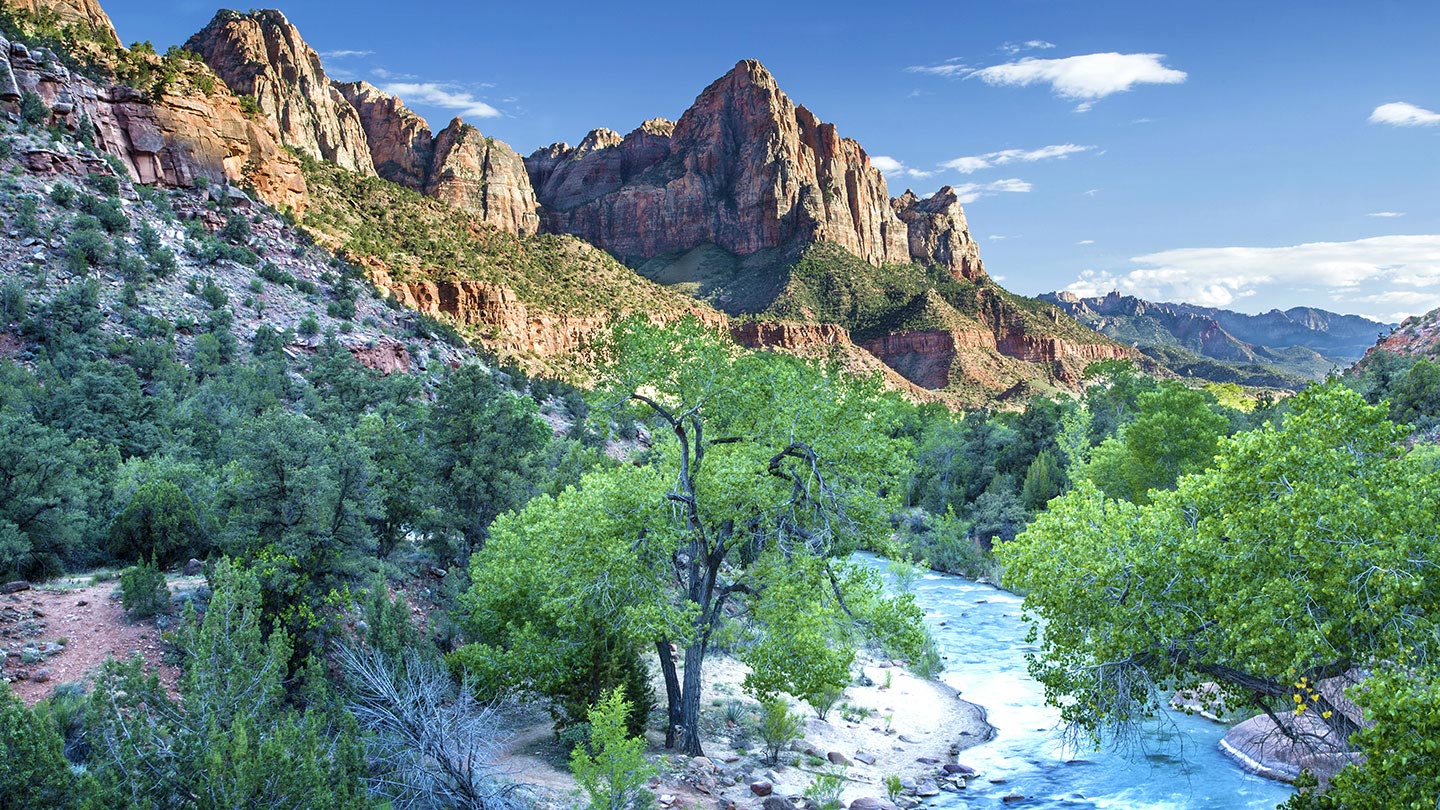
1404, 114
447, 96
975, 163
892, 168
1386, 214
1383, 271
344, 54
1085, 79
970, 192
1086, 242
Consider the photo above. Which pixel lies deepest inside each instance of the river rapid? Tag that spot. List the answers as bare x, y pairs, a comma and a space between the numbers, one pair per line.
1175, 762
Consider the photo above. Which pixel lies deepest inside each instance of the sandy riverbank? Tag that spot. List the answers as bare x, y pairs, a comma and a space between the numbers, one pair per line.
889, 722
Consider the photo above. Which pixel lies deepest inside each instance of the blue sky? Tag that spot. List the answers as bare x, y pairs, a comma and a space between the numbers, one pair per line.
1248, 155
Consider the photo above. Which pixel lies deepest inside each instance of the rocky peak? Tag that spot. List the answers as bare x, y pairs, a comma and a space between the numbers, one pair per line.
743, 169
596, 140
938, 234
401, 144
72, 12
483, 175
260, 54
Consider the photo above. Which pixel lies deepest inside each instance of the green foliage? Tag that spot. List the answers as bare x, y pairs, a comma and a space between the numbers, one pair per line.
778, 726
143, 591
826, 788
157, 518
85, 249
32, 758
33, 110
1301, 554
309, 327
1043, 481
611, 768
106, 210
1175, 432
43, 499
893, 787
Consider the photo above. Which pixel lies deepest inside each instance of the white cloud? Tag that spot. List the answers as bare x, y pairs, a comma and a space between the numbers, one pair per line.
1091, 192
1380, 271
344, 54
1013, 48
1387, 214
892, 168
974, 163
448, 96
970, 192
1404, 114
1086, 242
1085, 78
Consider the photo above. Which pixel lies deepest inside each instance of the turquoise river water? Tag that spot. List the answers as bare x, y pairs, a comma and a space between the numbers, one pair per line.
1174, 763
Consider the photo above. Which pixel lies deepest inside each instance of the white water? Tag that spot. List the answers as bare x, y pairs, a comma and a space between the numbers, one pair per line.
1175, 762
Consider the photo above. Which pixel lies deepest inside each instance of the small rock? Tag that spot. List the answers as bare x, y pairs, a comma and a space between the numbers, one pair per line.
193, 567
837, 758
927, 760
777, 803
926, 789
82, 603
761, 788
15, 587
958, 769
41, 676
871, 803
905, 738
865, 757
1013, 797
864, 680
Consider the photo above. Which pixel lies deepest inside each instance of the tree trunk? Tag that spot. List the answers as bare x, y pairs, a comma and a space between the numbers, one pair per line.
690, 698
672, 691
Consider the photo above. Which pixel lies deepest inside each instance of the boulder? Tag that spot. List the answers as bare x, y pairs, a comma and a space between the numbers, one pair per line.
761, 788
15, 586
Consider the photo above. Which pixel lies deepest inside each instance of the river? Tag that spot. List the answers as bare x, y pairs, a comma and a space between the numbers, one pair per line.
1174, 763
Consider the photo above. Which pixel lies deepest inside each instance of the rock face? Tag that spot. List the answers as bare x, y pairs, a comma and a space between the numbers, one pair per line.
744, 168
401, 144
460, 165
938, 232
261, 55
72, 12
173, 140
482, 175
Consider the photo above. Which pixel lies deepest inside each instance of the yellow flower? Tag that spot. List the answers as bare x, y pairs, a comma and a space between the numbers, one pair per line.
1299, 699
1326, 714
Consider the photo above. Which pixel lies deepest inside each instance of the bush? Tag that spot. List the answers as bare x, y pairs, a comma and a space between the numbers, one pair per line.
32, 109
63, 195
309, 327
107, 211
213, 295
778, 726
236, 230
86, 249
612, 769
826, 789
32, 758
143, 591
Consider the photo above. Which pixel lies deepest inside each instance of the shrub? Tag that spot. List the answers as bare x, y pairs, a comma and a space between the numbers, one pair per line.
213, 295
309, 327
143, 591
611, 768
826, 789
236, 230
778, 726
107, 211
32, 109
86, 249
32, 758
63, 195
107, 184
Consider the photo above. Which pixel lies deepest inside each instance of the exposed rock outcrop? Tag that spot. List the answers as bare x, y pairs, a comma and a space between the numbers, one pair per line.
401, 144
260, 54
743, 168
174, 140
938, 233
72, 12
1417, 336
483, 175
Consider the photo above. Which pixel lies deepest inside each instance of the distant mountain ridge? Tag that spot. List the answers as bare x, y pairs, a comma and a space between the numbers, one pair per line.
1280, 349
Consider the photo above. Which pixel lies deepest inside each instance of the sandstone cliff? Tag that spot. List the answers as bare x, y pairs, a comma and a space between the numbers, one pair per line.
73, 12
938, 233
744, 169
483, 175
173, 140
260, 54
401, 144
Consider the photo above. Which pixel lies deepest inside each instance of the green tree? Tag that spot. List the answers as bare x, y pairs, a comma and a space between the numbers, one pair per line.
611, 768
158, 520
1303, 553
42, 498
487, 443
767, 458
33, 769
1175, 432
1043, 481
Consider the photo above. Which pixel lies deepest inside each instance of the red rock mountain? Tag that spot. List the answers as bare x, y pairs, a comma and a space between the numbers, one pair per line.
744, 168
174, 140
260, 54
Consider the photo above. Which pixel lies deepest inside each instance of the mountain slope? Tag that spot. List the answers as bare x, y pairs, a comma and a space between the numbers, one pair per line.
1275, 349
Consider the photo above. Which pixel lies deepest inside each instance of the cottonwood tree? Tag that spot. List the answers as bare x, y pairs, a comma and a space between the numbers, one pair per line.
1303, 553
765, 471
